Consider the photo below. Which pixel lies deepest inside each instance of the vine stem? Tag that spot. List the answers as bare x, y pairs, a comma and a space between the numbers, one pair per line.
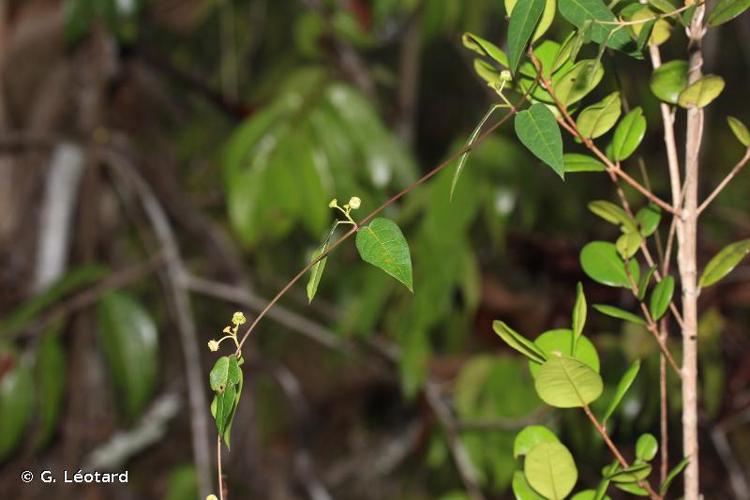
740, 165
218, 466
449, 161
615, 451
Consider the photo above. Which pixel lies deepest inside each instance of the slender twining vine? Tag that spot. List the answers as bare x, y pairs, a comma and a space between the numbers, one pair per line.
552, 83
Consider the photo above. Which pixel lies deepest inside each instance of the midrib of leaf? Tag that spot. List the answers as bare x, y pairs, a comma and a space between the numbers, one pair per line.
545, 143
551, 474
382, 245
572, 383
523, 24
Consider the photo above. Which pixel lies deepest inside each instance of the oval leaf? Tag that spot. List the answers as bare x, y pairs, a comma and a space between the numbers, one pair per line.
550, 469
602, 263
724, 262
669, 80
726, 10
575, 162
50, 371
16, 403
382, 244
581, 12
537, 129
523, 19
531, 436
522, 490
661, 297
564, 382
574, 84
646, 447
740, 130
597, 119
702, 92
613, 214
648, 219
622, 388
559, 341
628, 135
616, 312
130, 343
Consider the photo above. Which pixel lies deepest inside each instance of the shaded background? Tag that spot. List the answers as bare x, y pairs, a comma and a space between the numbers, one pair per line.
164, 163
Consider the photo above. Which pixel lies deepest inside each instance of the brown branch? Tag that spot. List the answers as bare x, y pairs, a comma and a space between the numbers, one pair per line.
737, 168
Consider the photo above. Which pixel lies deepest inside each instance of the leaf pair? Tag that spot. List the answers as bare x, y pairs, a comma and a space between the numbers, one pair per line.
549, 469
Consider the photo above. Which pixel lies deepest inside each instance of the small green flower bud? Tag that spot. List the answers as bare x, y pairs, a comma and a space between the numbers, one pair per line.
505, 76
213, 345
355, 202
238, 319
211, 497
333, 203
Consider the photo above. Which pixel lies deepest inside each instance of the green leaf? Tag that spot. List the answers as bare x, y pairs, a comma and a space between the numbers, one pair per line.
523, 20
484, 48
226, 380
589, 495
565, 382
550, 469
628, 244
129, 339
470, 142
622, 388
578, 12
633, 474
646, 447
559, 342
724, 262
382, 244
740, 130
669, 80
661, 297
597, 119
665, 6
648, 219
676, 470
529, 437
602, 263
316, 271
575, 162
579, 315
613, 214
632, 488
628, 135
50, 372
219, 375
649, 30
726, 10
521, 488
537, 129
574, 84
519, 342
702, 92
550, 8
16, 402
644, 282
616, 312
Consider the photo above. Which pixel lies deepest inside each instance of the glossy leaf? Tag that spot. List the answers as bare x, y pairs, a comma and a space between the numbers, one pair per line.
724, 262
578, 12
669, 80
575, 162
50, 372
622, 388
16, 404
521, 488
661, 297
616, 312
628, 134
628, 244
485, 48
529, 437
701, 93
382, 244
613, 214
519, 342
550, 469
673, 473
523, 20
128, 336
564, 382
589, 495
574, 84
579, 315
648, 219
646, 447
602, 263
597, 119
632, 488
740, 131
550, 8
726, 10
644, 282
537, 129
636, 472
559, 342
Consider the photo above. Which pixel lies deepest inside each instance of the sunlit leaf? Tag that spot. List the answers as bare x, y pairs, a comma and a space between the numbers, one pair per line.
724, 262
382, 244
550, 469
659, 31
521, 488
529, 437
560, 342
628, 135
622, 388
661, 297
537, 129
565, 382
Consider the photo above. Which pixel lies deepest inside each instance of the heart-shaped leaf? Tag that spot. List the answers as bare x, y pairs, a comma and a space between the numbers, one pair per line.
537, 129
724, 262
628, 135
550, 469
382, 244
565, 382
